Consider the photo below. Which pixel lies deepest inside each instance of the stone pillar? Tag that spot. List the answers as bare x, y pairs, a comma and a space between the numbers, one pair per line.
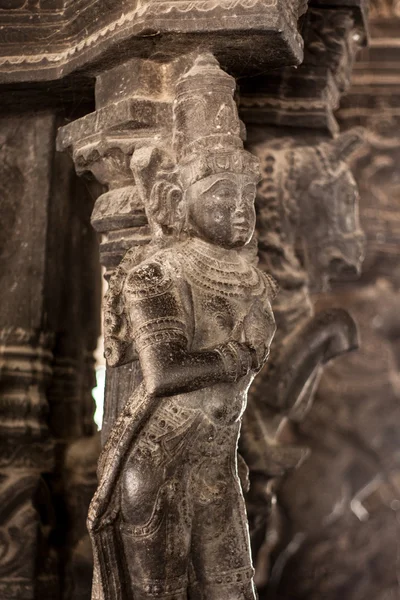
28, 566
47, 331
77, 442
134, 109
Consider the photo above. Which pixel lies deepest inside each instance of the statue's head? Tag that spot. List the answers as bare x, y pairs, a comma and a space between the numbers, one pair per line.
219, 189
203, 183
308, 207
211, 198
217, 175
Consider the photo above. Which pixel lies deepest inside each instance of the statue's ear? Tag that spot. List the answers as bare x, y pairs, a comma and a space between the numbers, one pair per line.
165, 205
158, 185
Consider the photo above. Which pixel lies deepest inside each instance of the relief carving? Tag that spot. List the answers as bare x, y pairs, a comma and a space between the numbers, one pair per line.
308, 233
348, 520
383, 9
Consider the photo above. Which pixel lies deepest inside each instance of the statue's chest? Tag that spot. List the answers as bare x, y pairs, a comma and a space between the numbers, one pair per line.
218, 318
225, 298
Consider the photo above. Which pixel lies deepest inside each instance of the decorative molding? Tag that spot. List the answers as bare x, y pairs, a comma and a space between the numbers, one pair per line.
115, 24
384, 9
308, 95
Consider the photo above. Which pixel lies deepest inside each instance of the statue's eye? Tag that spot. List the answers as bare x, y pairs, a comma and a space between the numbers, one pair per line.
223, 193
249, 193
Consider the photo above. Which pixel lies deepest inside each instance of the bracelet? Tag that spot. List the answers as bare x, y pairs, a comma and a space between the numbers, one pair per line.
236, 362
244, 361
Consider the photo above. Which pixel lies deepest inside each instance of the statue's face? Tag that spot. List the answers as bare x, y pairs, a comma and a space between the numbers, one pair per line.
221, 209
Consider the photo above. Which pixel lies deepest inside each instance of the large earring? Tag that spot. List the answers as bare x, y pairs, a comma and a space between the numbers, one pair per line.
164, 205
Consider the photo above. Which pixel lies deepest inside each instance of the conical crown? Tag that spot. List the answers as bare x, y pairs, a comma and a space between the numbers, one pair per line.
207, 129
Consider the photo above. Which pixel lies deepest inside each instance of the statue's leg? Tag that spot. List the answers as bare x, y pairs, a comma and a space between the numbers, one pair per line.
155, 524
220, 539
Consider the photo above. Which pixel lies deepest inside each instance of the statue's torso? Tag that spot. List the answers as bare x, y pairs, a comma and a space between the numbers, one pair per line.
214, 296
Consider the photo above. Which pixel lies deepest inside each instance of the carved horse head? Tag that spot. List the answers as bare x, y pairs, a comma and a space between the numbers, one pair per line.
307, 204
331, 240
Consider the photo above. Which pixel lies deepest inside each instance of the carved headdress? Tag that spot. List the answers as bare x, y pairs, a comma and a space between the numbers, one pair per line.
207, 139
208, 134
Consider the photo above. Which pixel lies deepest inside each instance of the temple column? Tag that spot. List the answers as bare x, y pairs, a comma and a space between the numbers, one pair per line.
134, 111
46, 333
28, 564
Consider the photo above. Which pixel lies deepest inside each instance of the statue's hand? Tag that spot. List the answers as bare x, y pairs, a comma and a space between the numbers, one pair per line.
239, 358
259, 328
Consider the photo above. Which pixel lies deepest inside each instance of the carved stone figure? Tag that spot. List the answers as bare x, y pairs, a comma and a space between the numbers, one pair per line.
168, 517
188, 315
308, 232
345, 512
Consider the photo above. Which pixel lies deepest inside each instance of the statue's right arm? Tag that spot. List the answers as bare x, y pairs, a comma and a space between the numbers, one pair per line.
169, 368
161, 338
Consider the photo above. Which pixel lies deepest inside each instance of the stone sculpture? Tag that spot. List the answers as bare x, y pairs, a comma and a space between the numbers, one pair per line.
168, 517
308, 231
106, 71
347, 495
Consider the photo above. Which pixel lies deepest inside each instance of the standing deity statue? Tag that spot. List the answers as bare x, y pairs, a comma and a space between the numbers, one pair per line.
168, 520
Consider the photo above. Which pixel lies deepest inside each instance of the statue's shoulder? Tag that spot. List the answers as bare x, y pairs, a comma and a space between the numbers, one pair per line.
152, 277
